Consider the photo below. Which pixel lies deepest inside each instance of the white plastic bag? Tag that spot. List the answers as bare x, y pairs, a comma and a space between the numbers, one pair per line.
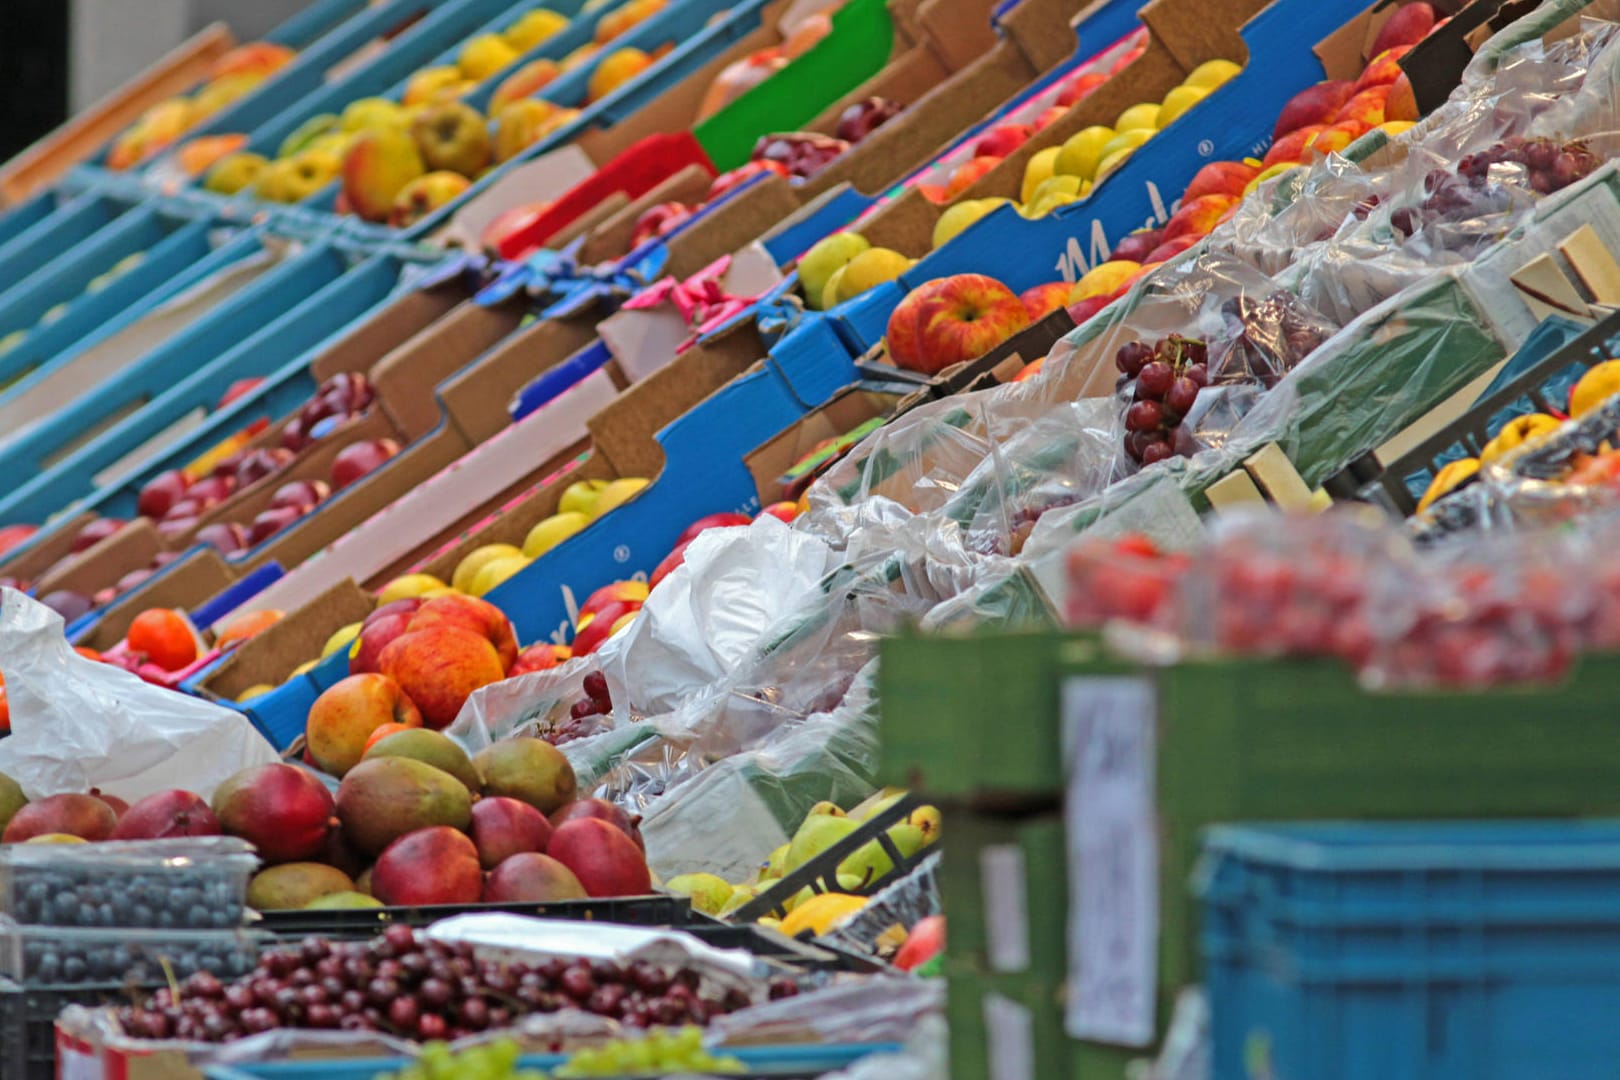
78, 724
709, 615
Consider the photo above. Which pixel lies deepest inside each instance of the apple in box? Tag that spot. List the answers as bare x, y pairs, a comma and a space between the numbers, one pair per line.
357, 460
160, 493
949, 320
1002, 140
864, 117
225, 537
658, 221
258, 464
94, 532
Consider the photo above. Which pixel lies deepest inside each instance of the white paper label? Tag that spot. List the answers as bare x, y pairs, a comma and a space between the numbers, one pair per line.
1006, 907
76, 1061
1108, 734
1010, 1034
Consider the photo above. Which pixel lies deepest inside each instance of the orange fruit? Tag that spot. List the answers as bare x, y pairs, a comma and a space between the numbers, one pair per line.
165, 637
87, 652
244, 627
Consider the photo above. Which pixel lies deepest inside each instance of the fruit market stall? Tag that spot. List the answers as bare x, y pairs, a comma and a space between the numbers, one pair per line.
823, 539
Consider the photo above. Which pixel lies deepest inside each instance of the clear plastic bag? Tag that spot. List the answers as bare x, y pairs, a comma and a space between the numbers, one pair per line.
78, 724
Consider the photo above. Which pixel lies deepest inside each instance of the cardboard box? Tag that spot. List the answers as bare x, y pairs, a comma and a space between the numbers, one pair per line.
848, 410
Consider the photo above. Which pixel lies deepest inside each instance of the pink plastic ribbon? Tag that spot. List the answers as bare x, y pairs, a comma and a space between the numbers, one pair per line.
703, 303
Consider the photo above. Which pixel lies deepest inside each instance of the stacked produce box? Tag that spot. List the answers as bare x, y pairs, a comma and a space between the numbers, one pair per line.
465, 456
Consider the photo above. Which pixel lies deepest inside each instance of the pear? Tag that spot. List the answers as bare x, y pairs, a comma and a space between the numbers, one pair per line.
927, 819
775, 863
870, 862
876, 802
740, 895
710, 894
815, 835
829, 809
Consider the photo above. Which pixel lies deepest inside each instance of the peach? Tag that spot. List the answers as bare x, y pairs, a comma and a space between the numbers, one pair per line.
1409, 25
1042, 300
1367, 107
479, 616
440, 667
378, 165
1197, 217
525, 82
1312, 106
344, 717
1294, 147
965, 317
616, 69
967, 174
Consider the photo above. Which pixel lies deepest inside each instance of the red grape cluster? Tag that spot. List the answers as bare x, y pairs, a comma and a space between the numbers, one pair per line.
1169, 375
1473, 192
423, 990
588, 714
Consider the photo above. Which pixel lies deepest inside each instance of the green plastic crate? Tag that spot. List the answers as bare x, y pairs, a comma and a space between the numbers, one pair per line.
861, 42
1004, 881
973, 723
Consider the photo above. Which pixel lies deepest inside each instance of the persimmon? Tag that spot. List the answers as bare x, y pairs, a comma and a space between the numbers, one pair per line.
165, 637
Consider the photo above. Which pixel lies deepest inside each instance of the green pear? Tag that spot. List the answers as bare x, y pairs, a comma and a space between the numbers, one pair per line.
710, 894
831, 809
775, 862
740, 895
816, 835
874, 806
849, 883
870, 862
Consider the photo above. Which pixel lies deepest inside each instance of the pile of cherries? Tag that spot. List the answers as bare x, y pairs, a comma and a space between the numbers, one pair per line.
421, 990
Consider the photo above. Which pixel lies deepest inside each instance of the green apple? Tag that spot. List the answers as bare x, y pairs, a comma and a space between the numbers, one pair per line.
825, 259
710, 894
580, 497
553, 531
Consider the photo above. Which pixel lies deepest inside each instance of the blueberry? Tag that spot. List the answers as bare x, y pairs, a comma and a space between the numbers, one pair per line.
142, 915
166, 920
66, 910
48, 968
74, 969
199, 917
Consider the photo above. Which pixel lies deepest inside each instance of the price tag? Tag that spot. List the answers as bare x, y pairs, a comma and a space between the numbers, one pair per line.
1009, 1039
1109, 744
76, 1059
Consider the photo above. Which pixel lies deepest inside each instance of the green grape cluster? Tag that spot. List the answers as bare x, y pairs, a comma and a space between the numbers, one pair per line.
490, 1061
659, 1052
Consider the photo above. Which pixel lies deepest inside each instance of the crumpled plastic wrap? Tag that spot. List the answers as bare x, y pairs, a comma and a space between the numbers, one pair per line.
879, 1008
78, 724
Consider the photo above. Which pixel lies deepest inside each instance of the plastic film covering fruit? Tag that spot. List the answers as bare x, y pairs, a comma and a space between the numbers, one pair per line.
78, 724
880, 1009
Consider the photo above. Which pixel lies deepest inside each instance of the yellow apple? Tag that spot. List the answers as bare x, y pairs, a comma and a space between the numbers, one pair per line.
1103, 279
431, 84
371, 112
1040, 168
1083, 150
475, 560
553, 531
829, 292
533, 28
580, 497
959, 216
617, 493
1138, 116
1121, 147
824, 259
1211, 74
868, 270
408, 586
1179, 101
497, 571
342, 639
483, 56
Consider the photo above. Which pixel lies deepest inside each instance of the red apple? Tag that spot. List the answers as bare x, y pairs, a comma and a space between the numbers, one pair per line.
237, 389
1316, 104
94, 532
1137, 245
667, 566
1080, 86
1171, 248
357, 460
630, 593
963, 318
712, 521
259, 464
1409, 25
375, 636
1002, 140
269, 522
408, 606
591, 636
301, 495
901, 335
788, 510
1042, 300
541, 657
1197, 217
224, 537
160, 493
212, 489
1049, 117
1217, 178
968, 174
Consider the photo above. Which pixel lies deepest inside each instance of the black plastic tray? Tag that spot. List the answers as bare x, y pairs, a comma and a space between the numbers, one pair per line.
28, 1022
673, 911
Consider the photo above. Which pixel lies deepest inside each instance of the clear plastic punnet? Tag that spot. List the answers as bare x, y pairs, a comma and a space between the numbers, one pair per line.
190, 883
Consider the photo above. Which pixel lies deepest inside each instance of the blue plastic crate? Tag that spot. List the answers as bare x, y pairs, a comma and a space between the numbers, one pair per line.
1421, 951
289, 310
